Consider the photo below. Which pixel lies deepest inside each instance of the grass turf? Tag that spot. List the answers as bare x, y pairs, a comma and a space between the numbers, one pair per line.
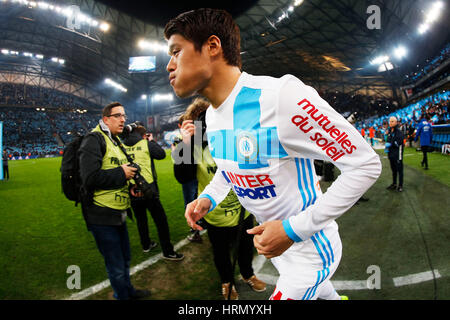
42, 233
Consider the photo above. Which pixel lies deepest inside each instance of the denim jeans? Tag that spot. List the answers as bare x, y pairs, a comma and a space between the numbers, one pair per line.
189, 191
114, 245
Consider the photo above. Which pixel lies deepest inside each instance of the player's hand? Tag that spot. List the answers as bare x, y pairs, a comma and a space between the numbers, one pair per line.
270, 239
196, 210
187, 130
129, 171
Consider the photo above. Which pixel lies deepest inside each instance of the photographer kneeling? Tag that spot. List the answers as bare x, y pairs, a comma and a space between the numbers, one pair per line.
143, 149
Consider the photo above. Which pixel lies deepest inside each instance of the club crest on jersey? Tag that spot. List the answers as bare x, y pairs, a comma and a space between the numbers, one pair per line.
247, 146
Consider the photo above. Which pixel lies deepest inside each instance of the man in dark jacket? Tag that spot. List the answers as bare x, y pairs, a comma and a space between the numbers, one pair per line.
394, 147
5, 166
143, 149
105, 174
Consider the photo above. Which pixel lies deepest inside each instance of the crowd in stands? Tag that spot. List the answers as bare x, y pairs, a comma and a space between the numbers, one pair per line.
33, 96
39, 121
434, 107
430, 64
28, 132
365, 106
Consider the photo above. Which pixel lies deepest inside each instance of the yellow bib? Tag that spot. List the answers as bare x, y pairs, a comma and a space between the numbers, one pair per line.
226, 214
141, 155
118, 199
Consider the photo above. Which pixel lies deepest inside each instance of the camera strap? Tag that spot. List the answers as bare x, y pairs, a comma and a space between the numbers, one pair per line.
122, 148
130, 160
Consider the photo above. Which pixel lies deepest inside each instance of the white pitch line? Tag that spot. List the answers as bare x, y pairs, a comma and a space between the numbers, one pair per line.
350, 284
105, 284
416, 278
258, 263
338, 285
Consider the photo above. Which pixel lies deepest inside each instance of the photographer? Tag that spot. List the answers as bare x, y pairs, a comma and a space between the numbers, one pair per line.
143, 149
105, 174
189, 183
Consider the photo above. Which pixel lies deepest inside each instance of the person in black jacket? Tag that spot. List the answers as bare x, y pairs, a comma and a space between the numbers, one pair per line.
189, 183
105, 173
141, 146
5, 166
395, 147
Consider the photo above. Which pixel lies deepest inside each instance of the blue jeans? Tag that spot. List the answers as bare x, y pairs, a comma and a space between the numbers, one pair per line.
189, 191
114, 245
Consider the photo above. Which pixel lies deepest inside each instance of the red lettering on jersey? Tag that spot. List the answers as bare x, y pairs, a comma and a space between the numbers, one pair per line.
264, 177
250, 181
342, 138
233, 179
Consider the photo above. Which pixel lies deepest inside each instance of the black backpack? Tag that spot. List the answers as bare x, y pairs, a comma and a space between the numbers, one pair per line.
71, 184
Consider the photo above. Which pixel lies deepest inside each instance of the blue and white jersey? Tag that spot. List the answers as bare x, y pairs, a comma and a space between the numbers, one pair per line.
264, 139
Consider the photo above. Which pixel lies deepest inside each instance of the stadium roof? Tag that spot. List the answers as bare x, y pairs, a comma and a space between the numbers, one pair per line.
326, 43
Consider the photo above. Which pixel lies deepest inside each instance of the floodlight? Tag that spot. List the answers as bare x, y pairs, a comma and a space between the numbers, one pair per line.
432, 15
153, 45
104, 26
163, 97
438, 5
385, 66
115, 85
144, 96
423, 28
380, 60
400, 52
43, 5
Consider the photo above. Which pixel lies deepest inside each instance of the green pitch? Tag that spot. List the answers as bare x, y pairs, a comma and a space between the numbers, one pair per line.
42, 234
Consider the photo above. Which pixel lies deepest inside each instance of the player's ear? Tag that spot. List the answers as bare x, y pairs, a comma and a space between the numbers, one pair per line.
214, 46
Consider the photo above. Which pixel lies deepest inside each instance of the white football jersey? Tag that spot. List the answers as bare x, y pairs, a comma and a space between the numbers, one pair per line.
264, 139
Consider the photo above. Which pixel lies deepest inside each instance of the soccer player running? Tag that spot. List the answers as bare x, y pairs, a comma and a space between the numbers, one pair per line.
264, 134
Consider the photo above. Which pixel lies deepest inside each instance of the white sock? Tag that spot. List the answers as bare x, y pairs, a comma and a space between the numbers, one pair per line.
327, 291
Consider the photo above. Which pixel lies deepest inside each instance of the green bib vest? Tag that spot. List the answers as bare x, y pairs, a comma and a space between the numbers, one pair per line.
141, 155
118, 199
226, 214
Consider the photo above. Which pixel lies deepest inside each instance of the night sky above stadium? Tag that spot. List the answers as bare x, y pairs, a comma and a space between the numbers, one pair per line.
160, 12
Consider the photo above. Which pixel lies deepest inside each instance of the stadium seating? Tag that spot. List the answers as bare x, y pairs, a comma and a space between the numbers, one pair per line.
430, 65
